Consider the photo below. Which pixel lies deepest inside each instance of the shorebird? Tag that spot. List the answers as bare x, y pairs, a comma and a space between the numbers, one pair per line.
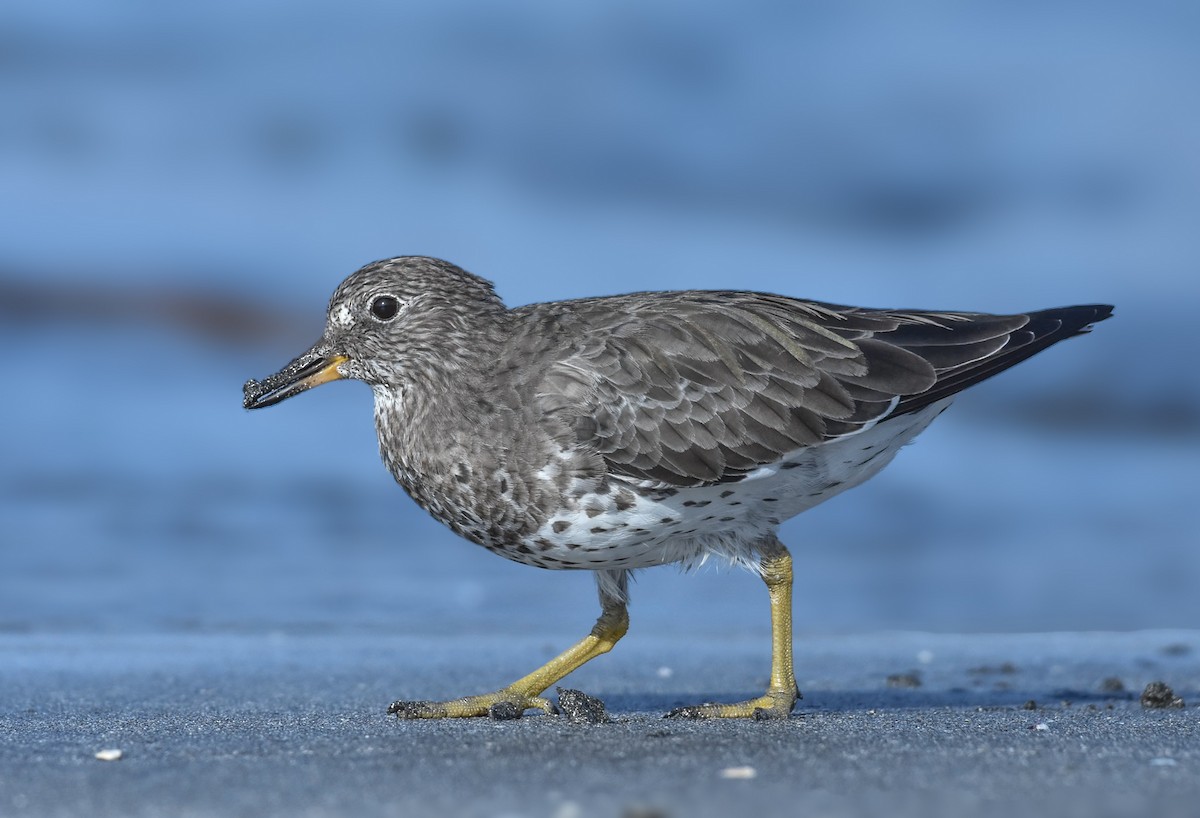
617, 433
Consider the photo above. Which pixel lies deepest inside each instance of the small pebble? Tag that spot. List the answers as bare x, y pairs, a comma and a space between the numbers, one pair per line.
109, 755
1112, 684
1041, 727
742, 773
580, 708
1159, 695
904, 680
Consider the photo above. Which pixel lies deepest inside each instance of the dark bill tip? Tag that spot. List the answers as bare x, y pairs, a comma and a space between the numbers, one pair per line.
309, 370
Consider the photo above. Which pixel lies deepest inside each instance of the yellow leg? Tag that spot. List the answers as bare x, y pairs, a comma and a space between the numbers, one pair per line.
525, 693
781, 695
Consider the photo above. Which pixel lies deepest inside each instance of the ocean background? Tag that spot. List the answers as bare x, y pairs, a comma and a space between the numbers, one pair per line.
183, 185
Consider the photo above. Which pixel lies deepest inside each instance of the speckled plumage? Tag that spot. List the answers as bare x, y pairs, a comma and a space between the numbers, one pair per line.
621, 432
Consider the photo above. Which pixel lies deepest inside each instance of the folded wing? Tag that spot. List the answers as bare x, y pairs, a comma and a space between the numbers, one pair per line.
695, 388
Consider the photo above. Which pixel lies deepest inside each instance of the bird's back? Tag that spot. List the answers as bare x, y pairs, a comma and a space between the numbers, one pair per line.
703, 387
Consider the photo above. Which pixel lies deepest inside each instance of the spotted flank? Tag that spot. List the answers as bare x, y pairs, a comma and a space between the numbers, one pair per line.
639, 527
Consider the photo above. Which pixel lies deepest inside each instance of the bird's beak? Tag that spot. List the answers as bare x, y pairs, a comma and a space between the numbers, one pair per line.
313, 368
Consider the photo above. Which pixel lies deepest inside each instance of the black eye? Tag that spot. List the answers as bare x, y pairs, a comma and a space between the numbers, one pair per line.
385, 307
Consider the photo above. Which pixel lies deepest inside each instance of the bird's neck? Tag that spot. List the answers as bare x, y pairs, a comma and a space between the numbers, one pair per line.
437, 410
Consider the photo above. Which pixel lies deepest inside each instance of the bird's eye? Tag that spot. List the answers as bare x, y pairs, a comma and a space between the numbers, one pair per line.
385, 307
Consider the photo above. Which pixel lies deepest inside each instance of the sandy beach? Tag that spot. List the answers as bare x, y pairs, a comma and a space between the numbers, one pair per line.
221, 725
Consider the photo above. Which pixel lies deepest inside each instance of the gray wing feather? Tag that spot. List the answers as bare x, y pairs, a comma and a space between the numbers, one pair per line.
696, 388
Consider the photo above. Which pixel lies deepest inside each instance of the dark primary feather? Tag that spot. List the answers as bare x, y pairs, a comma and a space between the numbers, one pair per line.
693, 388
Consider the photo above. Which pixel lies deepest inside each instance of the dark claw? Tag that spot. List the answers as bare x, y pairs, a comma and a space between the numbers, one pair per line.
408, 710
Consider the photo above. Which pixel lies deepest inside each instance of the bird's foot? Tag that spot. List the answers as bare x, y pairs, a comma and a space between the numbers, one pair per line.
774, 704
502, 705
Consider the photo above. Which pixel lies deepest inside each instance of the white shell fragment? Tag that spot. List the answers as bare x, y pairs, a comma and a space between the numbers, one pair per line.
742, 773
109, 755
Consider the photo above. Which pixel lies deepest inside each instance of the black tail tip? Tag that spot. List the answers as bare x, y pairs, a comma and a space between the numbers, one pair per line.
1075, 320
1094, 314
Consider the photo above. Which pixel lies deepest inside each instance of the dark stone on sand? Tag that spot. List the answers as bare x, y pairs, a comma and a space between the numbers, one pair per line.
909, 680
1160, 695
1112, 684
580, 708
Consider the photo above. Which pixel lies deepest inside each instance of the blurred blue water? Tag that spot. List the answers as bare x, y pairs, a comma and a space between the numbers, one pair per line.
974, 156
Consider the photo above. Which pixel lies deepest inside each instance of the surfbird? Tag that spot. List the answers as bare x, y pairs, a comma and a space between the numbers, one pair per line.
616, 433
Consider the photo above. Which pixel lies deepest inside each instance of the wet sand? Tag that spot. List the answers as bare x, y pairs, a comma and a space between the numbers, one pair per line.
295, 724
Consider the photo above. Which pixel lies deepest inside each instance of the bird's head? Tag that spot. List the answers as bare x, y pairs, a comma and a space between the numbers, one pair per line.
386, 323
